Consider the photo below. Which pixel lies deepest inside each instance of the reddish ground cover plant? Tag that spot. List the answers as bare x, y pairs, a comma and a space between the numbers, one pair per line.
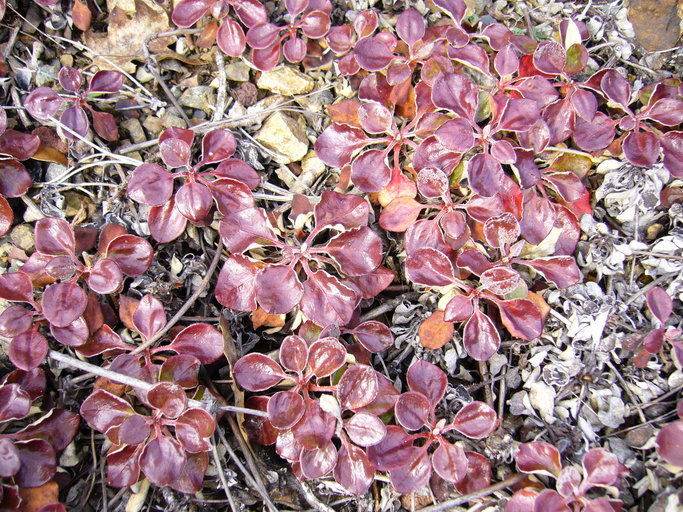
14, 180
310, 18
29, 454
301, 429
354, 254
43, 103
63, 304
600, 469
410, 467
226, 32
670, 438
660, 305
230, 186
169, 445
342, 40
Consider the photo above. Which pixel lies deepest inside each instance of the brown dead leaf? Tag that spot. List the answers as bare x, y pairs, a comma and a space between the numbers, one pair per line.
434, 332
33, 499
127, 36
48, 154
260, 318
656, 23
81, 15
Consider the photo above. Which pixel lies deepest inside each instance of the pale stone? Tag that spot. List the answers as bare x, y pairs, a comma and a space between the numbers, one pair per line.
285, 136
134, 129
153, 125
22, 237
286, 81
237, 71
200, 97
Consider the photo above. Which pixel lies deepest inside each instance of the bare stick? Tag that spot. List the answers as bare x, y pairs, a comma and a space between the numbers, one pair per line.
181, 312
222, 87
312, 500
460, 500
221, 475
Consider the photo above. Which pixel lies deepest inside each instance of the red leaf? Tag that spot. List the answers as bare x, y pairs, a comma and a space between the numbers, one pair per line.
660, 304
373, 54
325, 357
412, 410
353, 470
358, 387
602, 468
326, 301
427, 379
16, 287
21, 146
73, 335
365, 429
166, 223
430, 267
256, 372
200, 340
105, 125
449, 461
149, 316
123, 465
400, 214
616, 87
521, 317
285, 409
669, 440
15, 320
54, 237
81, 15
217, 145
15, 403
76, 120
193, 428
393, 451
162, 461
168, 397
476, 420
150, 184
559, 270
550, 57
414, 474
43, 103
294, 353
456, 135
316, 427
278, 289
485, 174
500, 280
182, 369
106, 81
480, 337
193, 200
188, 12
478, 474
457, 93
539, 458
174, 152
410, 26
38, 463
131, 253
63, 303
105, 277
103, 411
236, 284
348, 210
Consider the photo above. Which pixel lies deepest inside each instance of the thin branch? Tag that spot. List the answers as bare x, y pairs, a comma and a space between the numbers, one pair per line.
181, 312
221, 476
312, 500
222, 87
460, 500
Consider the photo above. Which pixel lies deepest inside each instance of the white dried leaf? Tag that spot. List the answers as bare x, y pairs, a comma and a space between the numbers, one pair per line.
542, 398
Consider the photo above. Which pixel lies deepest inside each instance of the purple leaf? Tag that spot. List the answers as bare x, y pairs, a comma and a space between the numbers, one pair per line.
294, 353
325, 357
182, 369
616, 87
480, 337
15, 320
150, 184
374, 336
414, 474
353, 470
318, 462
188, 12
393, 451
63, 303
16, 287
9, 459
539, 458
238, 170
456, 93
231, 195
602, 468
106, 81
373, 54
175, 152
506, 61
168, 397
200, 340
149, 317
501, 231
15, 403
594, 135
432, 182
21, 146
193, 200
456, 135
641, 148
230, 38
476, 420
278, 289
315, 25
38, 463
256, 372
316, 427
430, 267
43, 103
449, 461
166, 223
285, 409
131, 253
236, 285
370, 172
521, 317
458, 309
485, 174
410, 26
103, 411
193, 428
358, 387
73, 335
559, 270
669, 441
123, 465
365, 429
76, 120
337, 143
217, 145
660, 304
358, 251
428, 380
412, 410
162, 461
550, 57
326, 301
